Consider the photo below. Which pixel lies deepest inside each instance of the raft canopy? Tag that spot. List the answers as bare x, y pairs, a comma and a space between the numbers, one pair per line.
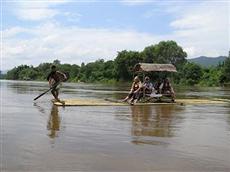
154, 67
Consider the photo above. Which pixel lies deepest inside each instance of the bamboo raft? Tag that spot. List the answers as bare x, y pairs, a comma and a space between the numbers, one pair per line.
97, 102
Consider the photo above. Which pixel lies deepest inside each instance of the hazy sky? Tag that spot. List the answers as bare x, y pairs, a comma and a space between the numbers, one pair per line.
39, 31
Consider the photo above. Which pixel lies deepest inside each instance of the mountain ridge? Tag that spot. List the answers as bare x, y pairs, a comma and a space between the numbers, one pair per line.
208, 61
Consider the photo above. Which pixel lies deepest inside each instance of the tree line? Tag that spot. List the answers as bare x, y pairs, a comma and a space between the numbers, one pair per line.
120, 69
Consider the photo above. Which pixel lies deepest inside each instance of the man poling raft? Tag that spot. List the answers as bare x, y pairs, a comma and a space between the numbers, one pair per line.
55, 79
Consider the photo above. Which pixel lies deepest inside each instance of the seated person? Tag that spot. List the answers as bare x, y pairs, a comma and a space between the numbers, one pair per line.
134, 91
157, 86
147, 86
166, 89
150, 91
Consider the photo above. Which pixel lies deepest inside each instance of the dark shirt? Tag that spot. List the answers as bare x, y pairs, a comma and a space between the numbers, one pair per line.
56, 75
166, 87
157, 85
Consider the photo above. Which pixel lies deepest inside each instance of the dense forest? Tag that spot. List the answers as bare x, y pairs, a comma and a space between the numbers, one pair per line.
120, 69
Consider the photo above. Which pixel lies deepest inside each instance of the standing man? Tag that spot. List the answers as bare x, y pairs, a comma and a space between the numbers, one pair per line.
55, 78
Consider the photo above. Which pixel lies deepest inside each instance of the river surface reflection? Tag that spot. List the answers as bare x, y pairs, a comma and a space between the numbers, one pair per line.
160, 121
38, 136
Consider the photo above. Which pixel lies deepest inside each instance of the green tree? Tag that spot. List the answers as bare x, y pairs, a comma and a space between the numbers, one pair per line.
74, 72
225, 72
149, 54
14, 73
56, 62
165, 52
191, 73
71, 70
43, 70
210, 76
109, 70
124, 63
28, 74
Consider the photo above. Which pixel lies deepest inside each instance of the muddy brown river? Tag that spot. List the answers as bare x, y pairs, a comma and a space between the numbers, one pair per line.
38, 136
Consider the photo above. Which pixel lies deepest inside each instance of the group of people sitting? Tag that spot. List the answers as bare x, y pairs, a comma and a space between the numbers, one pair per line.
146, 89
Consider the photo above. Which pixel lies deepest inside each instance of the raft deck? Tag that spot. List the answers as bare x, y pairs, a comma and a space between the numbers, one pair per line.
89, 102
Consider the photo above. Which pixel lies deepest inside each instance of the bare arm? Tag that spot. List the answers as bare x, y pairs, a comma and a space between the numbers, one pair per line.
140, 87
62, 76
132, 87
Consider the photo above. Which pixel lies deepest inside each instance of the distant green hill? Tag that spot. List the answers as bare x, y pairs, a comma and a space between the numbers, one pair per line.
208, 61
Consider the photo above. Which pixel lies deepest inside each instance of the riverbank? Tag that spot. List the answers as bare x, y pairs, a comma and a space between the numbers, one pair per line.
128, 83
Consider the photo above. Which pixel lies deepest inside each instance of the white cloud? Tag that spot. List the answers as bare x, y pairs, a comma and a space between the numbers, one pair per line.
153, 12
136, 2
72, 17
203, 29
200, 29
11, 32
37, 10
37, 14
69, 44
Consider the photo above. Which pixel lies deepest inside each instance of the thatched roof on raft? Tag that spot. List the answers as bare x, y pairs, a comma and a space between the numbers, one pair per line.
151, 67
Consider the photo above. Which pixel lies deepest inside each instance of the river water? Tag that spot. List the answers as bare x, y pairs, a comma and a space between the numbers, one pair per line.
37, 136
